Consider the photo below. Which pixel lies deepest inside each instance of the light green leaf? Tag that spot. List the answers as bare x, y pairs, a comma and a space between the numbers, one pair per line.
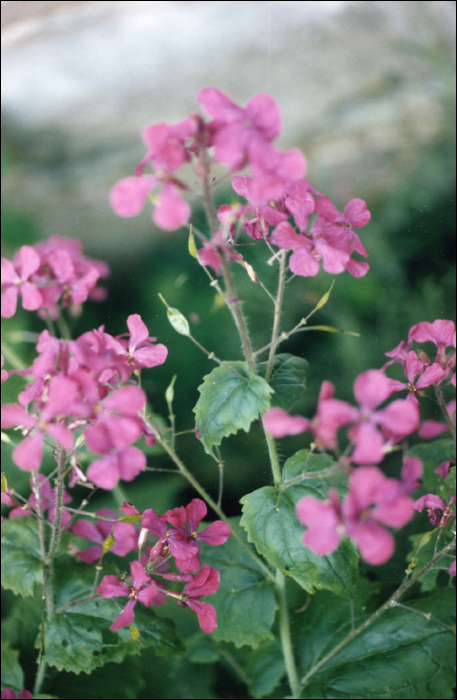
22, 567
272, 525
287, 379
229, 402
401, 655
245, 602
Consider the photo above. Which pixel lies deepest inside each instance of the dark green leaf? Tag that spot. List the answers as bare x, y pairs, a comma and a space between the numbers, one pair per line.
228, 403
12, 674
401, 655
245, 602
423, 550
287, 379
22, 567
272, 525
265, 668
432, 454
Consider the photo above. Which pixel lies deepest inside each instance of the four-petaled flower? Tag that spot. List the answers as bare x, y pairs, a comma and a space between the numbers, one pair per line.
143, 589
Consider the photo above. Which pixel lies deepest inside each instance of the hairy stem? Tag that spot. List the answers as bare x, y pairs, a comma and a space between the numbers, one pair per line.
277, 314
286, 640
443, 407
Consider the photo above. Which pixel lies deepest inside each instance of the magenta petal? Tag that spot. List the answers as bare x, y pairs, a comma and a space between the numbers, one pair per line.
111, 587
372, 388
128, 400
205, 582
128, 196
9, 301
138, 331
302, 263
264, 113
91, 554
126, 617
171, 211
400, 417
87, 530
369, 444
206, 615
321, 541
356, 213
195, 512
104, 472
139, 576
284, 236
13, 415
395, 514
29, 453
215, 534
131, 462
31, 297
152, 355
376, 545
279, 424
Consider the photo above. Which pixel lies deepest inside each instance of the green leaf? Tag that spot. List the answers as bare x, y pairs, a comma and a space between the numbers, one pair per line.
423, 550
265, 668
432, 454
22, 567
400, 655
272, 525
287, 379
78, 639
12, 674
245, 602
229, 402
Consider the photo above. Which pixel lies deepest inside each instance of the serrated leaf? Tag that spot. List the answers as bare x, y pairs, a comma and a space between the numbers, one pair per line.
288, 379
272, 525
245, 602
400, 655
229, 402
22, 567
12, 673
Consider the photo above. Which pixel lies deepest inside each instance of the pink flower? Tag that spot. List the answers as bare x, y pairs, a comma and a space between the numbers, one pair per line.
236, 132
434, 504
205, 582
125, 536
279, 423
62, 393
143, 589
372, 502
9, 693
429, 429
397, 420
112, 436
428, 374
171, 541
16, 281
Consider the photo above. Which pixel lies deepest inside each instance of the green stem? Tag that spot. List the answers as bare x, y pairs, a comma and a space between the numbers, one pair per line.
286, 640
388, 604
234, 305
274, 458
206, 497
277, 315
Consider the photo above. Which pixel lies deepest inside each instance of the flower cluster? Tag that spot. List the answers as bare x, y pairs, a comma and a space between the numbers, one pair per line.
373, 500
49, 276
275, 191
84, 387
177, 538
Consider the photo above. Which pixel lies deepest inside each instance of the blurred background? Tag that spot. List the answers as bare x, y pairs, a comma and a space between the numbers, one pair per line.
366, 90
